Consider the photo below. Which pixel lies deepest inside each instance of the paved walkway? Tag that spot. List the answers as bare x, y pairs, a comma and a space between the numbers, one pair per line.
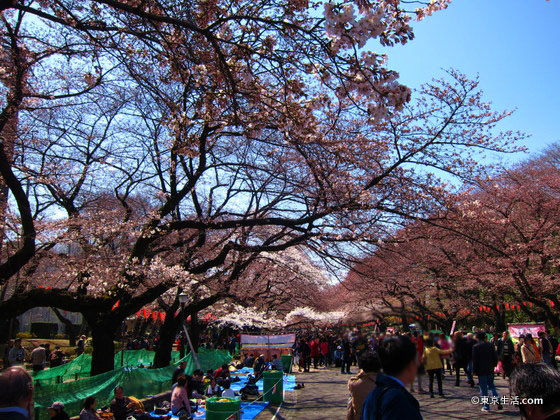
325, 397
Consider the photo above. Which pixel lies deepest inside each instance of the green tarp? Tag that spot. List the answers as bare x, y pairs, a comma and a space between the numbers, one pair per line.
136, 382
80, 367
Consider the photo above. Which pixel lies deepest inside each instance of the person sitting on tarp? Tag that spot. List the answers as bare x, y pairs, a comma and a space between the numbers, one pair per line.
119, 405
249, 360
180, 404
56, 358
276, 362
136, 409
88, 412
56, 411
195, 384
227, 392
213, 390
222, 373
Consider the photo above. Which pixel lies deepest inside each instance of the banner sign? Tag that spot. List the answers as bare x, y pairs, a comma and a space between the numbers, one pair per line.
247, 339
453, 328
516, 330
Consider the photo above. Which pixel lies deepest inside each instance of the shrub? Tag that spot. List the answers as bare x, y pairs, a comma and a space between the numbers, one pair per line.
44, 329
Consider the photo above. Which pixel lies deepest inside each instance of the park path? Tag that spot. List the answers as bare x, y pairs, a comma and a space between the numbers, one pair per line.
325, 397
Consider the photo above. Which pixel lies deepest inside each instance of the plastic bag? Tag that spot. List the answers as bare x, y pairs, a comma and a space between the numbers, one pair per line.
499, 369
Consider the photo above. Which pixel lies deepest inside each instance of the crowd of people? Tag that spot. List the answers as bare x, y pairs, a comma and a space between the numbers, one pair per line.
40, 357
392, 367
392, 364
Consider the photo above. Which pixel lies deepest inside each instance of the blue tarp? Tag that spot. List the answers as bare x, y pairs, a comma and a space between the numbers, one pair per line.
248, 411
289, 381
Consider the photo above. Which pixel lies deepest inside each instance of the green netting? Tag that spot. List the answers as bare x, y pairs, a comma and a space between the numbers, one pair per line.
80, 367
136, 358
137, 382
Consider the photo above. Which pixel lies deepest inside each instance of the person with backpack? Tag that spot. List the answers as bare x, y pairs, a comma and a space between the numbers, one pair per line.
390, 399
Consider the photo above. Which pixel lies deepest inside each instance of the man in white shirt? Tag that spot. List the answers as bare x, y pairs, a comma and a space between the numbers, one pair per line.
227, 392
38, 358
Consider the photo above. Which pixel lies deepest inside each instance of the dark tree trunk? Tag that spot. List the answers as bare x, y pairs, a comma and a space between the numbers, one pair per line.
70, 329
167, 333
103, 334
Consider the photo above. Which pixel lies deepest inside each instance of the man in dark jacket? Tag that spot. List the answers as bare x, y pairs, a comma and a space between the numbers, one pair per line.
485, 359
346, 356
390, 399
462, 358
505, 353
16, 394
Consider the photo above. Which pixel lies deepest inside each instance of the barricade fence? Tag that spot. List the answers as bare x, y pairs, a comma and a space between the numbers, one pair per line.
138, 382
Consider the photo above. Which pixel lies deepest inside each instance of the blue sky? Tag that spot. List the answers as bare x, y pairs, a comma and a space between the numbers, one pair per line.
514, 47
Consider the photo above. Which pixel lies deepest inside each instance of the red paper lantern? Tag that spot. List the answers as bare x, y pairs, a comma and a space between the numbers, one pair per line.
162, 316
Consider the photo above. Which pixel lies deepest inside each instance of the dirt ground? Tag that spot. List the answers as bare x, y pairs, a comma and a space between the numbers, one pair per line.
326, 394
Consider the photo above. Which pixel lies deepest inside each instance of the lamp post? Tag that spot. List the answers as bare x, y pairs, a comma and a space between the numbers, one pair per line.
183, 298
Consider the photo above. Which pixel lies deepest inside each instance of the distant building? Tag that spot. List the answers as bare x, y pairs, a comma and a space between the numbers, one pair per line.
46, 315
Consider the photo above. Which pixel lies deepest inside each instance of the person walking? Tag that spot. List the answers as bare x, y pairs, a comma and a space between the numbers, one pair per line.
362, 384
432, 362
324, 349
419, 343
506, 351
390, 399
315, 353
530, 351
485, 359
470, 343
461, 358
545, 348
346, 356
81, 345
444, 344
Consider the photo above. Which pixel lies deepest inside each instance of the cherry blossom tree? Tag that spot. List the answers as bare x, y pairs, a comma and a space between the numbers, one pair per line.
493, 247
220, 131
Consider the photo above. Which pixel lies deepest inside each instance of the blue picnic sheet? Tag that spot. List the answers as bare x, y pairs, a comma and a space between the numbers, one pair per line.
248, 411
289, 381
